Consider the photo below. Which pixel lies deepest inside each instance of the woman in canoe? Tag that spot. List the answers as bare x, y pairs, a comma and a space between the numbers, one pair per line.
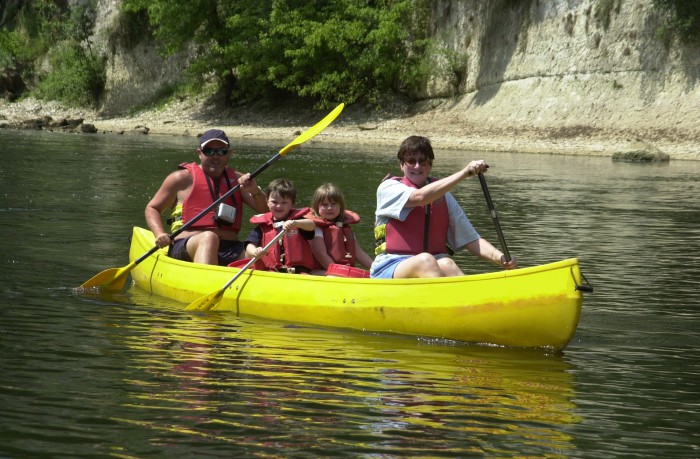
334, 241
417, 218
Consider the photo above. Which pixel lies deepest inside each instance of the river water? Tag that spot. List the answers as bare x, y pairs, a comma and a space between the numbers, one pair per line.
132, 375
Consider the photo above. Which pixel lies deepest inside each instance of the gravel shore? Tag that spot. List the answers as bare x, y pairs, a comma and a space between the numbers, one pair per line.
446, 128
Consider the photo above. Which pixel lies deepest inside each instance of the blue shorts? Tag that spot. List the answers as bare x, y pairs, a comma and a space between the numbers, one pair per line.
229, 251
385, 265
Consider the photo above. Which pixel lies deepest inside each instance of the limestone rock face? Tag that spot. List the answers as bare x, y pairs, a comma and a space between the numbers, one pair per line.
561, 64
135, 76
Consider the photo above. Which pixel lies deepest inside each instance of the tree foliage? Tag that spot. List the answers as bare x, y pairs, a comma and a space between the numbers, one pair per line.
328, 51
684, 18
62, 32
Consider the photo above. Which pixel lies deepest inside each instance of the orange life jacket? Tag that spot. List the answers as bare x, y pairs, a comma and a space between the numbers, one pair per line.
338, 237
424, 230
293, 250
204, 192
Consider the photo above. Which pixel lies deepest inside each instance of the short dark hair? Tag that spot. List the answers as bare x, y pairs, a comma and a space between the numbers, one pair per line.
283, 187
415, 144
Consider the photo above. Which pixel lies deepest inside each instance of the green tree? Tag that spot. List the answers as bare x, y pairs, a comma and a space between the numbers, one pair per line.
329, 51
60, 31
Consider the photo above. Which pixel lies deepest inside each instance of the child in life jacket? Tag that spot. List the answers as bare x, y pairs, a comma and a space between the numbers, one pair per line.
334, 240
293, 252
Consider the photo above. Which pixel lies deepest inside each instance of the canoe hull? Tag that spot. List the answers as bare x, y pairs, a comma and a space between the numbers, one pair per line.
529, 307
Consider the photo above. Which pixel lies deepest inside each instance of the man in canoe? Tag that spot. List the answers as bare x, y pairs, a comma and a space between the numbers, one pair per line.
417, 218
213, 238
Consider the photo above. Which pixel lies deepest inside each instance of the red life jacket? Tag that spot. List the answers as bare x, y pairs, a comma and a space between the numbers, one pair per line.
204, 192
295, 250
338, 237
409, 237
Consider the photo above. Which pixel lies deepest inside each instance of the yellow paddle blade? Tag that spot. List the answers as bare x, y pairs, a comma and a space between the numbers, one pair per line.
110, 279
206, 302
312, 131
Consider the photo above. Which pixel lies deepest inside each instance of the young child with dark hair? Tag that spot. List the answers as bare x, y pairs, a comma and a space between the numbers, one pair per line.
293, 254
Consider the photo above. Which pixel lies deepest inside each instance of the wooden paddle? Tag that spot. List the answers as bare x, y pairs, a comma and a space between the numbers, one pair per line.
494, 217
208, 302
114, 278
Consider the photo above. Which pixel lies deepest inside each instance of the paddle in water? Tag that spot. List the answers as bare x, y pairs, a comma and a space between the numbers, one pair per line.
494, 217
209, 302
114, 278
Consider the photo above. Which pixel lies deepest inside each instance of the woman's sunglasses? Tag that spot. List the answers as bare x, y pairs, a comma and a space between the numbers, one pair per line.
421, 161
215, 151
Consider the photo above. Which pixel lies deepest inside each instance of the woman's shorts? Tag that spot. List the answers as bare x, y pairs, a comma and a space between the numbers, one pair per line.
385, 265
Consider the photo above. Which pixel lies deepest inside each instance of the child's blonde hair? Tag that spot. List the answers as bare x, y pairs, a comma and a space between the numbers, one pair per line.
333, 194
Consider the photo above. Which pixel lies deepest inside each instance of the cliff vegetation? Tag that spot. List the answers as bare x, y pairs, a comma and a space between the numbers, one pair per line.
555, 70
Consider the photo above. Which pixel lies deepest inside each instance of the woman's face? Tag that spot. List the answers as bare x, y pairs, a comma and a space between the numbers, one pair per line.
417, 169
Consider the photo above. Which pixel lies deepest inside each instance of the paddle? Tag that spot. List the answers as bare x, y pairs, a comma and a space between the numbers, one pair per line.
114, 278
208, 302
494, 217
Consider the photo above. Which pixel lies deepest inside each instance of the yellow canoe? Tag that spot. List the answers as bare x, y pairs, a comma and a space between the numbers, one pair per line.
529, 307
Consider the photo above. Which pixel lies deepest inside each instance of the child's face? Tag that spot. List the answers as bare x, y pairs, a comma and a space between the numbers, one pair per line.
328, 210
279, 206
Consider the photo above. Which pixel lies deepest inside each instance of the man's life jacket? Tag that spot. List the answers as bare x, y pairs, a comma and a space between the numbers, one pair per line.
292, 251
205, 191
423, 230
339, 237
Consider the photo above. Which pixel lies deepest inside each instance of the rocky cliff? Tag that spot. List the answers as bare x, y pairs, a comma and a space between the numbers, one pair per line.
561, 76
568, 66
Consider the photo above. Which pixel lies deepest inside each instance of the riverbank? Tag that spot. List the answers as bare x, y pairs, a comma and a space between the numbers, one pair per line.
447, 127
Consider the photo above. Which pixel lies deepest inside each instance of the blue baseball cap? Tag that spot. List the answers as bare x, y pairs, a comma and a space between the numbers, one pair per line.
211, 135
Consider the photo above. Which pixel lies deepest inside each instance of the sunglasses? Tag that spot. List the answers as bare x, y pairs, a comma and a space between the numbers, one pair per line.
215, 151
422, 161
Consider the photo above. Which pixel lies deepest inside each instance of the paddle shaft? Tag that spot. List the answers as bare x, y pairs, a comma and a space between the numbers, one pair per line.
494, 217
254, 259
208, 302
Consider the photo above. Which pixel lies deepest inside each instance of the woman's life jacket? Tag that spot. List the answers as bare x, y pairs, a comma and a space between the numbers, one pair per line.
205, 191
423, 230
292, 251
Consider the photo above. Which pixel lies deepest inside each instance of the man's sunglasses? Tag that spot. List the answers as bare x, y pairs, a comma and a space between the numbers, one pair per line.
215, 151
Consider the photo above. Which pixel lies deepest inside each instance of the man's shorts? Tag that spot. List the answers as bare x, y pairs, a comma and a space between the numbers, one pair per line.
228, 250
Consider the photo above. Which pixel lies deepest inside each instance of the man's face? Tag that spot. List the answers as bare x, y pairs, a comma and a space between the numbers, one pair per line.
214, 164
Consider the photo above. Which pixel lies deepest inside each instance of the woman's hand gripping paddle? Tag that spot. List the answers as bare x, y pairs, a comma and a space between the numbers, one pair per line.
114, 278
210, 301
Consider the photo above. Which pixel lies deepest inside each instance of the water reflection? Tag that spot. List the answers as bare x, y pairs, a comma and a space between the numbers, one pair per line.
134, 375
226, 378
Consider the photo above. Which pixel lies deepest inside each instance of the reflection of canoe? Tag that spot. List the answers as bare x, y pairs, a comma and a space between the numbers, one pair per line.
266, 375
528, 307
